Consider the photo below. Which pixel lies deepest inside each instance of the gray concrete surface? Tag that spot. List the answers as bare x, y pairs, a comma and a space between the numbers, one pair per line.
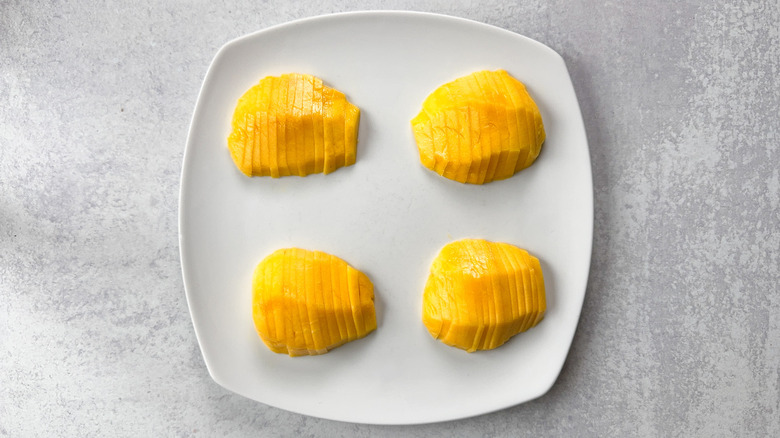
680, 332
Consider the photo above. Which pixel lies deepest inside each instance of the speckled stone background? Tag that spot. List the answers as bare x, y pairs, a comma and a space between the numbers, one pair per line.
680, 332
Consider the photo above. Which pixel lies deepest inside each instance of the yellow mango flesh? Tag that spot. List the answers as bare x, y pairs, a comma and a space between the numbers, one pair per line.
293, 125
479, 128
480, 293
310, 302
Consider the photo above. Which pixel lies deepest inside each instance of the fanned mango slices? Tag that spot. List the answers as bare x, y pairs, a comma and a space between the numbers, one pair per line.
479, 294
479, 128
309, 302
293, 125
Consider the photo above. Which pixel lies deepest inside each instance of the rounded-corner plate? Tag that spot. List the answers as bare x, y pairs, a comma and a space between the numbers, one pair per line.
386, 215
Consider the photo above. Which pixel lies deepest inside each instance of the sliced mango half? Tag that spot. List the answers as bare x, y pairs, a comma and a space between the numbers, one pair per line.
479, 128
480, 293
310, 302
293, 125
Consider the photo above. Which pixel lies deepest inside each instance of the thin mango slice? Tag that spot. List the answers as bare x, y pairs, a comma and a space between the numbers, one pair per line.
479, 128
310, 302
293, 125
479, 294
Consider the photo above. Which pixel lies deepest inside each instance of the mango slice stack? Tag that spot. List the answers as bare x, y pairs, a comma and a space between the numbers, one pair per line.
293, 125
479, 294
309, 302
479, 128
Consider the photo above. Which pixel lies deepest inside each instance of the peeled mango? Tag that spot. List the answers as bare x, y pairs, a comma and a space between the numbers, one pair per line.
310, 302
293, 125
480, 293
479, 128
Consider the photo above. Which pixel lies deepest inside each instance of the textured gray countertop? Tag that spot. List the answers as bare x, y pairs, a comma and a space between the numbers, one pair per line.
680, 331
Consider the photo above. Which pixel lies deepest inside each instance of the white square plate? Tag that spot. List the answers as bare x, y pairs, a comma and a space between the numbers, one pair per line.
387, 216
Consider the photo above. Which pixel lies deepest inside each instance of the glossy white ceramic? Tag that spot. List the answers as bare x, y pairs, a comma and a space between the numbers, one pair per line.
387, 215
